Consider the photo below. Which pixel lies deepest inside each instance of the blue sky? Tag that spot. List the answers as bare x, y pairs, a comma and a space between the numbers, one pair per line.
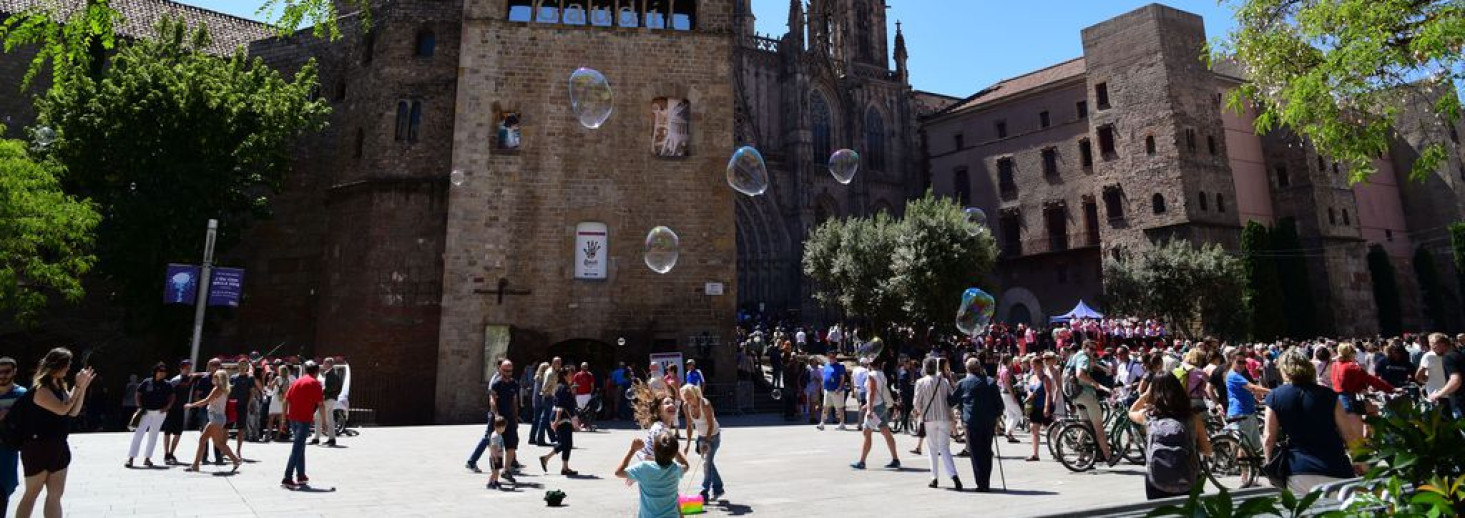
960, 46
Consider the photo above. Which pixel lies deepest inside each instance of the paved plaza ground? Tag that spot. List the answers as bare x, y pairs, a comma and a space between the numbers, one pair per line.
772, 469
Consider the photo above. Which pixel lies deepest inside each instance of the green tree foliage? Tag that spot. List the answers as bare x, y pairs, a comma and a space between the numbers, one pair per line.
321, 15
937, 258
1385, 291
1264, 289
1338, 71
1431, 291
1457, 252
45, 235
913, 269
1181, 284
168, 137
1299, 308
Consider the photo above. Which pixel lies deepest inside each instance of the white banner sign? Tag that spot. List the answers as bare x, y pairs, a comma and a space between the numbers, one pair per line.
592, 250
713, 289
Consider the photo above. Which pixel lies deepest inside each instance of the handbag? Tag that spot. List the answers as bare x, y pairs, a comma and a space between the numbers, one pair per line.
921, 428
1279, 466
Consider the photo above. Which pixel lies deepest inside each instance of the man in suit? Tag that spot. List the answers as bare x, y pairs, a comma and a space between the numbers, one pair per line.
980, 401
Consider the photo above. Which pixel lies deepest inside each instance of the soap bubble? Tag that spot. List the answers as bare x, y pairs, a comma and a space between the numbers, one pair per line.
747, 172
871, 348
45, 136
775, 394
976, 311
976, 220
590, 97
843, 164
662, 249
457, 177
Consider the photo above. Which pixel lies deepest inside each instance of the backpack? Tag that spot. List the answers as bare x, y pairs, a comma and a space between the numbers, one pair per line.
13, 431
1194, 380
1170, 452
1070, 386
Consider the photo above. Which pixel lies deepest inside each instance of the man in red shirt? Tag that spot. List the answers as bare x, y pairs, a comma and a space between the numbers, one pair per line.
302, 402
584, 383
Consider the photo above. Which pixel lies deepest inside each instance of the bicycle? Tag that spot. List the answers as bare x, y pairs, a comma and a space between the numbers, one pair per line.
1078, 450
1235, 462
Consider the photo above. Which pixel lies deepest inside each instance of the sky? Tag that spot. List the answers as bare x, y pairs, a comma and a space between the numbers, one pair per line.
958, 47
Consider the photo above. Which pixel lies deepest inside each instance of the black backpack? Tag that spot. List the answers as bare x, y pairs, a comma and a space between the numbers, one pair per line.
13, 429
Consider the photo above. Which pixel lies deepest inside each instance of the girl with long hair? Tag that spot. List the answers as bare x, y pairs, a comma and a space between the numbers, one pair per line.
45, 454
1167, 399
217, 402
562, 424
1040, 402
279, 383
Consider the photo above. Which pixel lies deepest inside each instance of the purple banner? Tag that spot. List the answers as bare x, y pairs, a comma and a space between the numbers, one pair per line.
180, 286
225, 286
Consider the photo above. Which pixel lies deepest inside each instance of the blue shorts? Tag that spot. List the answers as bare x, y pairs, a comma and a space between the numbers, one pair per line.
9, 470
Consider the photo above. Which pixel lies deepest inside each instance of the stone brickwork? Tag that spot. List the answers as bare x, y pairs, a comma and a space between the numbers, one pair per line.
514, 217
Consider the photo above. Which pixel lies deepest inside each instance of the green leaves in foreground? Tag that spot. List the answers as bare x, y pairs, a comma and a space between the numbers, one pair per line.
45, 235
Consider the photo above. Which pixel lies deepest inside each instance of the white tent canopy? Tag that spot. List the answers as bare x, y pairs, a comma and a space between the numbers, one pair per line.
1082, 310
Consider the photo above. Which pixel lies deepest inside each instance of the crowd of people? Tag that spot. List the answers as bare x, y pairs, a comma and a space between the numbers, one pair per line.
259, 400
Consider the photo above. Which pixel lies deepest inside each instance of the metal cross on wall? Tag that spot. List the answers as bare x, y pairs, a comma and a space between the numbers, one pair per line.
503, 289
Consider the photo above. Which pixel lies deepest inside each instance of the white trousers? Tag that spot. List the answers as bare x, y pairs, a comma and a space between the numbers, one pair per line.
1011, 413
150, 423
330, 424
938, 445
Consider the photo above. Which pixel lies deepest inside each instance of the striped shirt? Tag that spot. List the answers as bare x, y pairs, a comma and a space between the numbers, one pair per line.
930, 399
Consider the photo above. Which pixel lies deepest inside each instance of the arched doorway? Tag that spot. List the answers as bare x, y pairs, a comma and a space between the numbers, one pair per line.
1019, 314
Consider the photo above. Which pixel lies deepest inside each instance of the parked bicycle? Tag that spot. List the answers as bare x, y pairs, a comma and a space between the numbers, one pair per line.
1235, 461
1078, 450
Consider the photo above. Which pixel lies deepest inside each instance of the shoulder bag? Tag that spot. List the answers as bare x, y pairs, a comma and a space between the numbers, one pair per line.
1279, 466
921, 428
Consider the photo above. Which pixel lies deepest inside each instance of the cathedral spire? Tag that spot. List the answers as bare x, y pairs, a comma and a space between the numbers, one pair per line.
796, 22
900, 54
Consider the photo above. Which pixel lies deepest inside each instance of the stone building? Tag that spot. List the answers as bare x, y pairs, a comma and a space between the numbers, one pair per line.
825, 85
379, 253
1130, 145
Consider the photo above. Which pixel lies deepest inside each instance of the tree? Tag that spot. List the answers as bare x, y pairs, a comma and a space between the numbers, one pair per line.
1264, 291
1181, 284
1457, 252
1338, 71
1299, 307
913, 269
167, 137
1385, 291
937, 258
45, 235
1431, 291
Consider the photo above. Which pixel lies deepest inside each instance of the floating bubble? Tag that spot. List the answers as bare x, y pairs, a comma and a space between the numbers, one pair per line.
662, 249
843, 164
746, 171
871, 348
45, 135
975, 312
457, 177
590, 97
976, 220
776, 394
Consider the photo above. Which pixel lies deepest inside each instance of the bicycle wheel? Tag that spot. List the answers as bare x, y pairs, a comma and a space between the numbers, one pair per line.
1052, 435
1076, 448
1225, 468
1132, 444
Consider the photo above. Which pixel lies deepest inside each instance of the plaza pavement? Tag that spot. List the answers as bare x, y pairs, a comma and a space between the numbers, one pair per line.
772, 469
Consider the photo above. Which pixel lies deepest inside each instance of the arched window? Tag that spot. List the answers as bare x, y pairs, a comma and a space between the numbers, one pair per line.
403, 111
602, 13
627, 17
575, 15
426, 43
1220, 203
1157, 203
823, 123
875, 140
415, 122
1204, 201
1150, 145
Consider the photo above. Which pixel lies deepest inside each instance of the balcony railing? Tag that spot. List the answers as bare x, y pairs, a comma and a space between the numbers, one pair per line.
1049, 244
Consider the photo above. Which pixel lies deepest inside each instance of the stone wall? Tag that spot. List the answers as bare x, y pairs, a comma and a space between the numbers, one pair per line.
514, 218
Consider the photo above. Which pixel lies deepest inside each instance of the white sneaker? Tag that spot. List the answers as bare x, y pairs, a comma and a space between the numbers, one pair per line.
841, 427
820, 427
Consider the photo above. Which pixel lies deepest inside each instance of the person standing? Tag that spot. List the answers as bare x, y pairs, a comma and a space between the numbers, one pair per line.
694, 375
702, 420
877, 414
834, 383
548, 384
980, 401
584, 388
930, 405
155, 397
241, 391
1453, 364
860, 378
302, 404
503, 404
1314, 422
1041, 399
45, 454
1172, 437
1012, 412
10, 392
488, 433
215, 431
775, 363
325, 422
173, 422
563, 424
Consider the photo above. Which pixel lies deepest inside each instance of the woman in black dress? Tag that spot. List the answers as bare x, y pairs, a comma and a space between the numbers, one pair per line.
45, 454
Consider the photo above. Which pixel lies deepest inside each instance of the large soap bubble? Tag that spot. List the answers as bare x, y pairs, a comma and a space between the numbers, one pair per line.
976, 220
843, 164
747, 172
662, 249
871, 348
457, 177
590, 97
976, 311
45, 136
